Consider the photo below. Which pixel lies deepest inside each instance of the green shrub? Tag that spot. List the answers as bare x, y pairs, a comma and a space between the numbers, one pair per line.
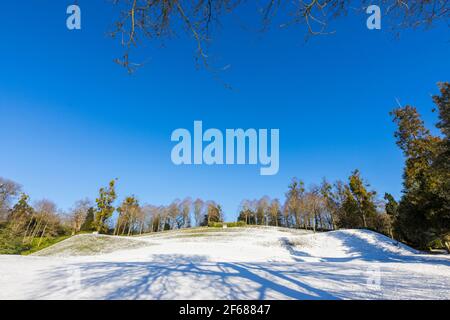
10, 243
46, 242
215, 224
228, 224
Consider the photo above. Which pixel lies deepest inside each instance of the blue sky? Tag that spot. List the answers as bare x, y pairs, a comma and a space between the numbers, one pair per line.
71, 119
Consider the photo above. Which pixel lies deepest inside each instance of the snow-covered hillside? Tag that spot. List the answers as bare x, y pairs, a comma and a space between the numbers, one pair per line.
234, 263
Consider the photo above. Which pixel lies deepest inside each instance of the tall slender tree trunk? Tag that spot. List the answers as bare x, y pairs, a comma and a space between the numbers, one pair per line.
26, 231
446, 242
42, 235
117, 227
36, 230
364, 221
130, 226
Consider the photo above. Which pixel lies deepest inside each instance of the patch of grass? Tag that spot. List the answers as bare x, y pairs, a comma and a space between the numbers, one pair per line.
194, 235
11, 243
46, 242
174, 233
210, 230
86, 244
228, 224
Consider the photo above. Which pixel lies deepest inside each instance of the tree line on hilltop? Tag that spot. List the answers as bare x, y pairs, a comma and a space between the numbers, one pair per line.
421, 217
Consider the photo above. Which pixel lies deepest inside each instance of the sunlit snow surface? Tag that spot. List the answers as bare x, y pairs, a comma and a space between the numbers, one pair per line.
233, 263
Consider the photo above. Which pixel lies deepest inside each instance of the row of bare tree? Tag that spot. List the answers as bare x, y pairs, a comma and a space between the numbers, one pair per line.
322, 207
132, 218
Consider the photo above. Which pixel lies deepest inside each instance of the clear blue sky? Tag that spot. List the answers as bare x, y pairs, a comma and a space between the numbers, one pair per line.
71, 119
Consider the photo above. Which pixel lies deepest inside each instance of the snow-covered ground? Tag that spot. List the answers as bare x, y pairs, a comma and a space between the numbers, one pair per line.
233, 263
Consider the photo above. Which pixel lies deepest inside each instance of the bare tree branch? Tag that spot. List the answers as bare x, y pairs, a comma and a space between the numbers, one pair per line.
150, 19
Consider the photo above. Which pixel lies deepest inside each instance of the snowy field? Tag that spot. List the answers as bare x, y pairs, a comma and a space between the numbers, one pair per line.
233, 263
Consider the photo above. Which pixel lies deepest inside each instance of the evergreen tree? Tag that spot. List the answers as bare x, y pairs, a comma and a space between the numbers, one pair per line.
20, 215
391, 209
348, 213
363, 199
88, 224
443, 105
391, 205
422, 219
105, 207
441, 168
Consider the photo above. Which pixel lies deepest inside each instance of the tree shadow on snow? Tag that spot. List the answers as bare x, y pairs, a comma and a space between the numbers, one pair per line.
363, 250
296, 255
187, 276
172, 276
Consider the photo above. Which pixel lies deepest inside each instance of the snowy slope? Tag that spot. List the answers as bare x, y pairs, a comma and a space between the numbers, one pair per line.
234, 263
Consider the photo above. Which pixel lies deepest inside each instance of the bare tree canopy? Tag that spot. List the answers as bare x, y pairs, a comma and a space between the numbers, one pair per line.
79, 213
140, 19
8, 190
